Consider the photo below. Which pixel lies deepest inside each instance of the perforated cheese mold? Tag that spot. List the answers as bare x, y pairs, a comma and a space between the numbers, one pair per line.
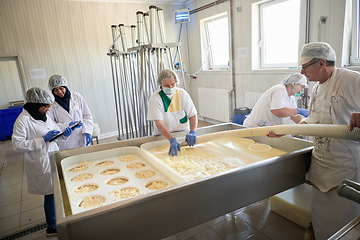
97, 179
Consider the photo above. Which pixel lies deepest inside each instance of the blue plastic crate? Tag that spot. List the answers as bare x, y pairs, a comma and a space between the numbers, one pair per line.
7, 119
240, 114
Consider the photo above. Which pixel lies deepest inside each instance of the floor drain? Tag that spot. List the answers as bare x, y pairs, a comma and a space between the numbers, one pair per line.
25, 232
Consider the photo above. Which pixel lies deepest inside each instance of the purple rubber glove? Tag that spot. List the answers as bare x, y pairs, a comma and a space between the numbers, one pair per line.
68, 132
303, 112
88, 138
191, 138
50, 134
174, 147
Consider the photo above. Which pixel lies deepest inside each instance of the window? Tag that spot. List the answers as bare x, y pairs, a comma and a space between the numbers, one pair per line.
355, 48
215, 42
281, 27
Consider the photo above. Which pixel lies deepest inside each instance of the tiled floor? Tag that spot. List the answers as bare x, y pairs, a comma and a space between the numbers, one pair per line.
20, 210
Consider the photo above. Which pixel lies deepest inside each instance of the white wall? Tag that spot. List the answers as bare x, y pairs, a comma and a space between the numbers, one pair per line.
247, 79
72, 38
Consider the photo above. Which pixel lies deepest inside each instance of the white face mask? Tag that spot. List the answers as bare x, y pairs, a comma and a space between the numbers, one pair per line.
169, 91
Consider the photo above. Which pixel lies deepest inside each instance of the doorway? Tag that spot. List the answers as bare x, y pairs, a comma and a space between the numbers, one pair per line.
12, 80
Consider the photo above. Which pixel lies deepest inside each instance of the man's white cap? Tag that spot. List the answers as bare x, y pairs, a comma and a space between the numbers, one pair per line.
319, 50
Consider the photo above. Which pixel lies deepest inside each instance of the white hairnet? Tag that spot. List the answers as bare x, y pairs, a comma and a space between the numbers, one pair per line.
295, 78
320, 50
38, 95
167, 73
56, 81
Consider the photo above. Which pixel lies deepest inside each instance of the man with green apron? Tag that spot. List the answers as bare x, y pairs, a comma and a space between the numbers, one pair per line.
172, 110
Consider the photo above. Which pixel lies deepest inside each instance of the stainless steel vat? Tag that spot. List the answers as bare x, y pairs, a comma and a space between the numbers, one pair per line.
171, 210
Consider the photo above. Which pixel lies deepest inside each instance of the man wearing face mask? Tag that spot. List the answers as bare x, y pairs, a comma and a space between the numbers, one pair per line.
277, 105
172, 110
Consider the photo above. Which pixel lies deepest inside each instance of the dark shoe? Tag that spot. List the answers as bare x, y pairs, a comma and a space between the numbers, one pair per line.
51, 232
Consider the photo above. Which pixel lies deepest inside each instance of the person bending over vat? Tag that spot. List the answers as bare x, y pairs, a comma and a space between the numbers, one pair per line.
277, 105
31, 135
172, 110
334, 99
70, 107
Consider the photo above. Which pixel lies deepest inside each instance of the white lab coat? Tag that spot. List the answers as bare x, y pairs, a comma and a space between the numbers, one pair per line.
78, 110
275, 97
333, 159
28, 138
171, 119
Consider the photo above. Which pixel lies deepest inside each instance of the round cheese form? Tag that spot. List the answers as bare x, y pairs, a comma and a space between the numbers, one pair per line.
243, 142
110, 172
82, 177
117, 181
104, 164
91, 202
126, 192
78, 168
258, 147
135, 165
156, 185
128, 158
145, 174
85, 188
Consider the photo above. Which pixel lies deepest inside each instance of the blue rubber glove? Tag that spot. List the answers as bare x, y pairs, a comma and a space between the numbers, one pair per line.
303, 112
50, 135
68, 132
174, 147
71, 123
191, 138
88, 138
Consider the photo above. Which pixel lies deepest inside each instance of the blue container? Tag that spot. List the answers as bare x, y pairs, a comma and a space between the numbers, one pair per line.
7, 119
240, 114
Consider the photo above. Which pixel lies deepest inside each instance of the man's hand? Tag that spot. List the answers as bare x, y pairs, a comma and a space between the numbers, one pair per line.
272, 134
354, 121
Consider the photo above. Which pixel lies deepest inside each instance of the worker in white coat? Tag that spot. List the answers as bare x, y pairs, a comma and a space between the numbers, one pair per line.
31, 135
335, 99
70, 107
172, 110
277, 105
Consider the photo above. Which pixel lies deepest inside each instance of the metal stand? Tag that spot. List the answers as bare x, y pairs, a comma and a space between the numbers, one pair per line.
135, 70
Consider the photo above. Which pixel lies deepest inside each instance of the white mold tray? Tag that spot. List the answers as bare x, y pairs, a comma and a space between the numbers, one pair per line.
120, 162
204, 159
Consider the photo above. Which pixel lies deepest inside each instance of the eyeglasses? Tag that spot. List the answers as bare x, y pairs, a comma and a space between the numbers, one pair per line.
303, 67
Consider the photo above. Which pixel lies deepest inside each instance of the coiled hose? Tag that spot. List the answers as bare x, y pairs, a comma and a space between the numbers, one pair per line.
318, 130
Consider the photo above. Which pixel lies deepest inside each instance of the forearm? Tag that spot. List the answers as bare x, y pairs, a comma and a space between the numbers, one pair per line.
193, 122
163, 130
296, 118
284, 112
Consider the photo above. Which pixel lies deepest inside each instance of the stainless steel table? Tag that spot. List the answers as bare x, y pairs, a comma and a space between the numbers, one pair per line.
174, 209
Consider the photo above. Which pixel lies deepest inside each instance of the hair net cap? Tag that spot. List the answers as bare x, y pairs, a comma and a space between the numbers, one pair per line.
295, 78
167, 73
320, 50
56, 81
38, 95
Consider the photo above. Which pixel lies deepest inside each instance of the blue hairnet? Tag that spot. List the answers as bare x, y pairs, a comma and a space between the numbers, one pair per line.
56, 81
38, 95
167, 73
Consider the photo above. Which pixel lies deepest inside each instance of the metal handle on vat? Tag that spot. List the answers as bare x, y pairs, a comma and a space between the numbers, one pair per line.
350, 190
